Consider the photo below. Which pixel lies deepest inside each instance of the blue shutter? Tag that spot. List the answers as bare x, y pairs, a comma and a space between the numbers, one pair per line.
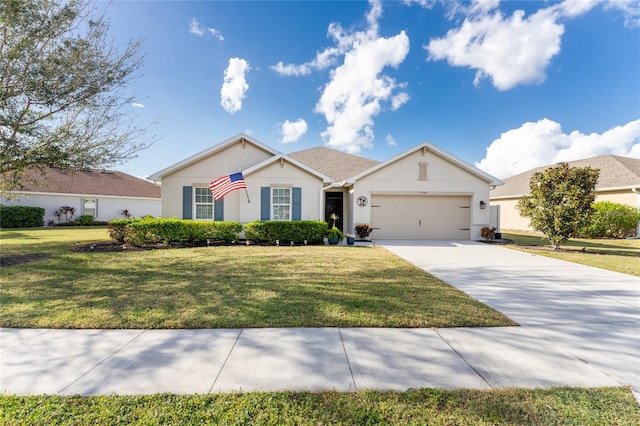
218, 210
297, 204
265, 203
187, 202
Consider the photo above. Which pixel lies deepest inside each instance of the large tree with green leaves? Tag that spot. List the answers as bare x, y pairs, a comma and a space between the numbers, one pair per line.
560, 199
63, 86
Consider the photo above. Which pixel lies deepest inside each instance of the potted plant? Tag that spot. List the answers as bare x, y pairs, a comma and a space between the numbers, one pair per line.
334, 235
362, 231
351, 239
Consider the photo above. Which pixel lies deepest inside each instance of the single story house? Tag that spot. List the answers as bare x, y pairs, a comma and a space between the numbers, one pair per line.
103, 194
422, 193
619, 182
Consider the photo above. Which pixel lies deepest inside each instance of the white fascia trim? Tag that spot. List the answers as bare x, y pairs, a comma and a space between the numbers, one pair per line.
67, 194
211, 150
597, 190
284, 157
450, 157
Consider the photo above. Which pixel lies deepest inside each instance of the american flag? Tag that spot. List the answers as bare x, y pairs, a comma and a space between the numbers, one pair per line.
225, 184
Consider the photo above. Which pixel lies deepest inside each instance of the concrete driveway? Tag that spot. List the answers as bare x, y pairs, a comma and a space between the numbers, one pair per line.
592, 313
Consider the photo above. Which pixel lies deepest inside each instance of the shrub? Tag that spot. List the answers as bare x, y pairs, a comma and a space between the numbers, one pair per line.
85, 220
297, 231
363, 230
21, 217
488, 233
611, 220
151, 230
117, 228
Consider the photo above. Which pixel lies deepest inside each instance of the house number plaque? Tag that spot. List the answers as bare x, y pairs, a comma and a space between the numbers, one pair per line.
362, 201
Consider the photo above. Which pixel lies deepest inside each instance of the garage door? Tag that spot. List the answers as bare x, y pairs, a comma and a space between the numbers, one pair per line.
420, 217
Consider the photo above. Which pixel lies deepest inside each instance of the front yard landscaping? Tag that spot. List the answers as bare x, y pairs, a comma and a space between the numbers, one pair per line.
221, 287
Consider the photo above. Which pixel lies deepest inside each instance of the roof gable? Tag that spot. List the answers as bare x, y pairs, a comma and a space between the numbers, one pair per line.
615, 172
337, 165
89, 182
243, 138
284, 157
437, 151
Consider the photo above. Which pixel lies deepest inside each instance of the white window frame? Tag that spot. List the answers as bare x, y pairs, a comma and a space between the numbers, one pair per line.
95, 207
204, 191
288, 205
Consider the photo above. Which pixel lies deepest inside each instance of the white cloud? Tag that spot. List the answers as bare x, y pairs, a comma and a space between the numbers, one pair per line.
235, 86
390, 140
137, 105
509, 50
292, 131
196, 29
543, 143
630, 10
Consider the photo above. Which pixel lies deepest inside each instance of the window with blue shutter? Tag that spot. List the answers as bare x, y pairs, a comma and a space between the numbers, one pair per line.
187, 200
296, 208
218, 210
265, 203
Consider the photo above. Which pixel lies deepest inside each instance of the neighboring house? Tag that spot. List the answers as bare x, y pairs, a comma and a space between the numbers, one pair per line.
102, 194
619, 182
422, 193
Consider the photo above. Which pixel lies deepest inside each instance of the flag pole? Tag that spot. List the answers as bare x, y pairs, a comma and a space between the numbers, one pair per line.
248, 200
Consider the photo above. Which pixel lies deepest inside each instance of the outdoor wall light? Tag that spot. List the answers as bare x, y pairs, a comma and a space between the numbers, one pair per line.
483, 205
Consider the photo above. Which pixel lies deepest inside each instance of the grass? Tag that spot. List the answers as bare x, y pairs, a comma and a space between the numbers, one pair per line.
614, 255
558, 406
223, 287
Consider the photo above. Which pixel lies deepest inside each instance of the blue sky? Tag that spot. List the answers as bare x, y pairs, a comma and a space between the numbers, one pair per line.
504, 85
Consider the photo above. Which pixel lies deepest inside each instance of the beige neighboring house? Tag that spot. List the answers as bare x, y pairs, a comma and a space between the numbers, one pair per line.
619, 182
422, 193
102, 194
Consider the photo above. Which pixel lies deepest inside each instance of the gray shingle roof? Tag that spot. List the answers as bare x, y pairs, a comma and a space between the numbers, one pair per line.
615, 172
337, 165
90, 182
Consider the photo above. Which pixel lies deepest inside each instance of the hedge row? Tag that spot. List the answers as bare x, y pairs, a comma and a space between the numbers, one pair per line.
299, 231
145, 231
611, 220
21, 217
167, 231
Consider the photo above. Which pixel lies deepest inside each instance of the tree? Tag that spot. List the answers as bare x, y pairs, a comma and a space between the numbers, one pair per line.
63, 87
559, 204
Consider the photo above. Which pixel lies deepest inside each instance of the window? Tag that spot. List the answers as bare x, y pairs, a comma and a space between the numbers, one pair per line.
280, 203
90, 207
204, 203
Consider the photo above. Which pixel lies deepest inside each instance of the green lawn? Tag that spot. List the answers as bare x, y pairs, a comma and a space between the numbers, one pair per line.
222, 287
559, 406
614, 255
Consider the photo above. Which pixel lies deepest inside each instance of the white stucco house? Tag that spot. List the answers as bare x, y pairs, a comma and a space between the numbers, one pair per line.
103, 194
422, 193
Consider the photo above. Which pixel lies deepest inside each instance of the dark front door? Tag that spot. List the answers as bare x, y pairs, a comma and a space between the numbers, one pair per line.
333, 206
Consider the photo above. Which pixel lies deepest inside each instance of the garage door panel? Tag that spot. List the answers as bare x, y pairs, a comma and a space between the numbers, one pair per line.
420, 217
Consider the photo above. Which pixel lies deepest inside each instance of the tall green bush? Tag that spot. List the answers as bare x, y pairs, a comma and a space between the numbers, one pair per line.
611, 220
21, 217
167, 231
298, 231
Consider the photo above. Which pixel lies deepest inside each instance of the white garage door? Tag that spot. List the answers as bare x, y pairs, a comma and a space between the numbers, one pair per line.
420, 217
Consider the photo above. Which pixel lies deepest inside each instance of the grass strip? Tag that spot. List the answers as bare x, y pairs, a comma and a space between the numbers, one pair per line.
620, 255
556, 406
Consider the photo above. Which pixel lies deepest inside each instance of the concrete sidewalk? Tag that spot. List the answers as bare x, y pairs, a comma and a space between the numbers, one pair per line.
92, 362
580, 326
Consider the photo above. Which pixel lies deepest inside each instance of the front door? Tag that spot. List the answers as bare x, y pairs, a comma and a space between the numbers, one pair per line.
333, 206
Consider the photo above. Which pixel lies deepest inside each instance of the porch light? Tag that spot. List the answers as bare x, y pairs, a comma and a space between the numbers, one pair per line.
483, 205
